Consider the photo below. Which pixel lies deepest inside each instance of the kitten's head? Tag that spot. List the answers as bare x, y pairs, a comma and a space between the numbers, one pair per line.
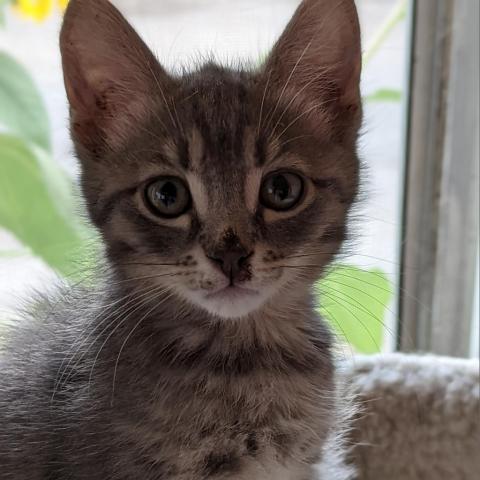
229, 188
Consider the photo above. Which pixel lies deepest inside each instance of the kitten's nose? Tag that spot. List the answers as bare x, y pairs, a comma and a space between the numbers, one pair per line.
231, 261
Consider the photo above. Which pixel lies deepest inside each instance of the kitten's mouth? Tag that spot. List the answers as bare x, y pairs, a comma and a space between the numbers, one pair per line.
231, 301
231, 292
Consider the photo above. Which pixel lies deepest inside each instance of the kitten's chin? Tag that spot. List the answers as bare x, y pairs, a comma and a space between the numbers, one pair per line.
229, 302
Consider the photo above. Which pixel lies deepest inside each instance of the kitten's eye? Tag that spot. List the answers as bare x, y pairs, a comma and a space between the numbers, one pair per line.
281, 190
168, 197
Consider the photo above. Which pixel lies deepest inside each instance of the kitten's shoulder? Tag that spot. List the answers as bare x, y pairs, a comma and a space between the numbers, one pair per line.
34, 345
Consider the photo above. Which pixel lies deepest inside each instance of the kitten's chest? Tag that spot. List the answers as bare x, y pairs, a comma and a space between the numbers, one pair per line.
266, 427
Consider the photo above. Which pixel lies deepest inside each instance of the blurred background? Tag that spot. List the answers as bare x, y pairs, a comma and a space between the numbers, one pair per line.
410, 279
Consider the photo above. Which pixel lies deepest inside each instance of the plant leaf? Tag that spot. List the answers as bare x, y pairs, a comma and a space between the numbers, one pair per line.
384, 95
397, 15
28, 206
2, 13
22, 111
354, 301
3, 5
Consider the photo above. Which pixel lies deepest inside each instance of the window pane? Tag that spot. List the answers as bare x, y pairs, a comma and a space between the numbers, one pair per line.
359, 295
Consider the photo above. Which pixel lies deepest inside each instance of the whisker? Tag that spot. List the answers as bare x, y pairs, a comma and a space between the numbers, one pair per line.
78, 344
340, 274
413, 297
151, 133
153, 264
263, 103
344, 334
159, 290
63, 379
314, 79
360, 306
359, 321
280, 98
306, 112
291, 140
162, 93
155, 306
190, 96
145, 277
372, 297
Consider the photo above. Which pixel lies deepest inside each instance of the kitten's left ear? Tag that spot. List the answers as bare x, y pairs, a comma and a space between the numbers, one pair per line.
111, 76
315, 65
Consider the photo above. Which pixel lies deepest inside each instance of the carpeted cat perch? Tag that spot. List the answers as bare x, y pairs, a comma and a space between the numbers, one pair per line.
419, 418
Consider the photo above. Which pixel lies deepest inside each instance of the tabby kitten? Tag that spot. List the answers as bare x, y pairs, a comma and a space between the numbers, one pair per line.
221, 195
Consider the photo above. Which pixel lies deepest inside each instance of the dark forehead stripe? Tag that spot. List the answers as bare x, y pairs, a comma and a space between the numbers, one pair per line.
183, 153
220, 112
260, 151
105, 208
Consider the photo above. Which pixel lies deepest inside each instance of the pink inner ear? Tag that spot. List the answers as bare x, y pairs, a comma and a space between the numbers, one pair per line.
110, 74
319, 54
109, 112
79, 93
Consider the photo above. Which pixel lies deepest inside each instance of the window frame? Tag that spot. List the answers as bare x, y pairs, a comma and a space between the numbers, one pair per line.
440, 217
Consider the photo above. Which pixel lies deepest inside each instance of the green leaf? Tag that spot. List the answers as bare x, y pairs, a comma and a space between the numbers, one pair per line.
354, 301
14, 253
22, 111
384, 95
30, 205
397, 15
2, 13
3, 6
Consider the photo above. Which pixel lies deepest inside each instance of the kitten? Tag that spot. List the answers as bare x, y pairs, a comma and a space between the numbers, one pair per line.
221, 196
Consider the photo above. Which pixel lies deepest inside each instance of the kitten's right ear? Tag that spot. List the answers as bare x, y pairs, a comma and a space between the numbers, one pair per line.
111, 76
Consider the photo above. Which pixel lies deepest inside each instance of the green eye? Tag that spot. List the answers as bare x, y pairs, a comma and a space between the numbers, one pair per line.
281, 191
168, 197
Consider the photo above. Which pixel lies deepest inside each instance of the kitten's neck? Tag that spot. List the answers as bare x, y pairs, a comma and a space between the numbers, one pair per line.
282, 337
286, 321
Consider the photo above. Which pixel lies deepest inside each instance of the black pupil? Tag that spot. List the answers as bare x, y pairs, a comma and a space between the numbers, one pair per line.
167, 194
280, 188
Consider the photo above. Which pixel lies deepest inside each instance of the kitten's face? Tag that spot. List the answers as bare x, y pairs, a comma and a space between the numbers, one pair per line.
228, 189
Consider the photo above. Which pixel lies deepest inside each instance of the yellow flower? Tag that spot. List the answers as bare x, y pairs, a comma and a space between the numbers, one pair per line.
38, 9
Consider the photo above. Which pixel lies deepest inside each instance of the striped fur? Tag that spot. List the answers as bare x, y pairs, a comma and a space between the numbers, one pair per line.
142, 376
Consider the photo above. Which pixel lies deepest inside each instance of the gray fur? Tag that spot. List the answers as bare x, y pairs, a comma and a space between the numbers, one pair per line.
133, 377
